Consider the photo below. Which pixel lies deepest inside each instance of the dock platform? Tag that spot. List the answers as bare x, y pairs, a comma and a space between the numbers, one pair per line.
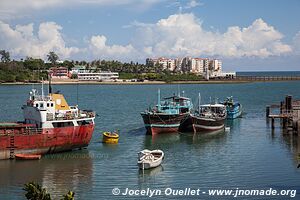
288, 113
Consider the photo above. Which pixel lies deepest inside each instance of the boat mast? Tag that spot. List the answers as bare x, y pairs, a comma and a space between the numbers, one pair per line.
158, 100
199, 102
49, 86
42, 88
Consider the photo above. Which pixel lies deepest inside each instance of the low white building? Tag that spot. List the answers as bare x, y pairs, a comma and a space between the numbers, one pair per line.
97, 76
230, 75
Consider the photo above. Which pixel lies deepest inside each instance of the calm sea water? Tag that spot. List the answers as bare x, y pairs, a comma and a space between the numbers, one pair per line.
249, 156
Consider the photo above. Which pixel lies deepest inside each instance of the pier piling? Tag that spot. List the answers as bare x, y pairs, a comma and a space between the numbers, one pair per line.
289, 114
273, 123
267, 111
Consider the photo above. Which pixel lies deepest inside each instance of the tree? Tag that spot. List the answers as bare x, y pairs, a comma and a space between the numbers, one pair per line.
52, 57
69, 196
5, 57
36, 192
68, 64
33, 64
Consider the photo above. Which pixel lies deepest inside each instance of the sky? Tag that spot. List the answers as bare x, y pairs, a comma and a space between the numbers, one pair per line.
247, 35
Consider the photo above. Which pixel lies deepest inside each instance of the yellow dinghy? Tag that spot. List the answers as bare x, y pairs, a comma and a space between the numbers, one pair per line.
110, 137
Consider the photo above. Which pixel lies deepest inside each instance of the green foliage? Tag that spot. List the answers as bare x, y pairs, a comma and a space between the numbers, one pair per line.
69, 196
35, 69
180, 77
52, 57
74, 76
34, 64
5, 57
123, 75
36, 192
21, 77
68, 64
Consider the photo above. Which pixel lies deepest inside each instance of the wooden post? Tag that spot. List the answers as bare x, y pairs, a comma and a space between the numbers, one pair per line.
281, 107
273, 123
284, 122
267, 111
288, 103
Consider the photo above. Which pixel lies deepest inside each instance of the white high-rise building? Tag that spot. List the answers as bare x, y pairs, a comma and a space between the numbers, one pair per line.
201, 66
166, 63
215, 68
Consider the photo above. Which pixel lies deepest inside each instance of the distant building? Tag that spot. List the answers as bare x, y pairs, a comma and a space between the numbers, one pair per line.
215, 67
166, 63
229, 75
87, 75
77, 69
59, 72
208, 68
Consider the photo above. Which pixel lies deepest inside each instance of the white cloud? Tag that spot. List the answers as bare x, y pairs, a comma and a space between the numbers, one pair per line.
175, 36
296, 43
183, 34
193, 4
21, 8
99, 49
22, 41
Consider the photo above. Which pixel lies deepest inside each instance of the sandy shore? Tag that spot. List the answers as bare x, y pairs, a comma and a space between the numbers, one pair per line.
72, 82
128, 83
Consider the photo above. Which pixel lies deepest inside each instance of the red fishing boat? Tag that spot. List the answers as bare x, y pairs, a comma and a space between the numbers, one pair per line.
50, 125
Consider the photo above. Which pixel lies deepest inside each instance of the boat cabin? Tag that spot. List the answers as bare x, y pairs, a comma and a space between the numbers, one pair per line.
49, 111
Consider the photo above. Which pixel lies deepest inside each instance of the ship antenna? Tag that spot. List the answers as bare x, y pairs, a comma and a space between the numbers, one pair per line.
178, 90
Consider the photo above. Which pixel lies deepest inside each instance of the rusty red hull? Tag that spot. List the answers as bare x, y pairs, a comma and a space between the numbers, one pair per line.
161, 130
19, 140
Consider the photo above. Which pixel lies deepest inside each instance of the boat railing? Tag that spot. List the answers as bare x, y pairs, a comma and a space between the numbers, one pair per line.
70, 116
32, 130
42, 98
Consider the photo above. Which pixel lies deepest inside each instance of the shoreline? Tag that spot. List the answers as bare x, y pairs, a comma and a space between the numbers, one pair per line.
75, 82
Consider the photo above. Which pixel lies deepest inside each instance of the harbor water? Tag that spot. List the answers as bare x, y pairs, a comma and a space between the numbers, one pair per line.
250, 156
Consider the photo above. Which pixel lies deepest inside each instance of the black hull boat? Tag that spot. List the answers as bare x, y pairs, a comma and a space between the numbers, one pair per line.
157, 123
167, 115
203, 124
208, 118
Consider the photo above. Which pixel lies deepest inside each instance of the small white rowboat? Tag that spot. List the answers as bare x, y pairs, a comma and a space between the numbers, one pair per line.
148, 159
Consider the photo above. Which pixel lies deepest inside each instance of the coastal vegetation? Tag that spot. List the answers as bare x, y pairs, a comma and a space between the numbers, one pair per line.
34, 69
35, 192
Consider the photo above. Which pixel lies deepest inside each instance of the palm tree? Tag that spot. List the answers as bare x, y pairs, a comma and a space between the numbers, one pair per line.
5, 57
52, 57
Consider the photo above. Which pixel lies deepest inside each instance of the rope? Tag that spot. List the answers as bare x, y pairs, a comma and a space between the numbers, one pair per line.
174, 129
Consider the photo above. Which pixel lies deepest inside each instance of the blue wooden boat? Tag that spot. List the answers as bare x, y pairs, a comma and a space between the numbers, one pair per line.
167, 115
234, 108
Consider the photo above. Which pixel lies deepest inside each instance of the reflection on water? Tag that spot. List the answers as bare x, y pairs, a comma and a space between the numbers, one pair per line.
248, 156
145, 175
293, 142
59, 173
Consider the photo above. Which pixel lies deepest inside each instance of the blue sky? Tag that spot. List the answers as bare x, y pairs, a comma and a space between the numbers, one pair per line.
246, 34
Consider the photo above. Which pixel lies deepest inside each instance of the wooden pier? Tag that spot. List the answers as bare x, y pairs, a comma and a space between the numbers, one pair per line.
288, 111
267, 78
